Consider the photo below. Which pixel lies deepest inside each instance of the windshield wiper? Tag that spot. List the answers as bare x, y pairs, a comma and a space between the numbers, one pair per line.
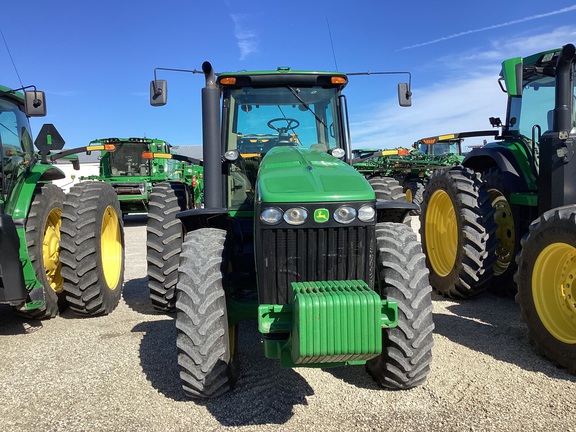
297, 96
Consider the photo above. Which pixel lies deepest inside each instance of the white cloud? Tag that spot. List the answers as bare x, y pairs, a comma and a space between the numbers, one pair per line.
492, 27
461, 102
247, 39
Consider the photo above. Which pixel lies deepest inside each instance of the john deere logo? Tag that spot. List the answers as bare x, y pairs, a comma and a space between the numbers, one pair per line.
321, 215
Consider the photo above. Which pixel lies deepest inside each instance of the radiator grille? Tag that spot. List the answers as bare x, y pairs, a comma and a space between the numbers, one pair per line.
289, 255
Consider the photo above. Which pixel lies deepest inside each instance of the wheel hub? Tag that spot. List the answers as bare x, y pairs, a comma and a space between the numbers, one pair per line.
111, 244
554, 290
441, 233
505, 233
51, 250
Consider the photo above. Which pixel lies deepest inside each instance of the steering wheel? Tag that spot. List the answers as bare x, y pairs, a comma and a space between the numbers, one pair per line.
290, 124
283, 135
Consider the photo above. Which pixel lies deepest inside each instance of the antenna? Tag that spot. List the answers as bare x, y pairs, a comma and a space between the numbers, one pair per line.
332, 44
10, 55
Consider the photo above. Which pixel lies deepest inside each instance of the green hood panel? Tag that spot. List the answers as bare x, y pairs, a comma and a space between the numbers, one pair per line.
296, 174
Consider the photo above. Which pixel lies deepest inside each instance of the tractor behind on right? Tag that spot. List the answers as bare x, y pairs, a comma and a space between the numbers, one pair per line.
506, 217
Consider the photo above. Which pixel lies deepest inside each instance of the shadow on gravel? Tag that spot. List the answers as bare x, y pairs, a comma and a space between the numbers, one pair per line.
13, 324
493, 325
266, 393
137, 296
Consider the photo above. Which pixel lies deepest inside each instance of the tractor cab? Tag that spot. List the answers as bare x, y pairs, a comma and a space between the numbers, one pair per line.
271, 109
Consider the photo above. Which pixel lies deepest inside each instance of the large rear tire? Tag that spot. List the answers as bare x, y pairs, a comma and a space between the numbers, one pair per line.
206, 344
546, 285
92, 248
387, 189
458, 232
407, 348
43, 242
164, 243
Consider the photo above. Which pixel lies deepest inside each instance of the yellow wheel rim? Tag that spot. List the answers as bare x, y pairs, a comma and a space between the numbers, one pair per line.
409, 196
505, 232
554, 290
51, 250
111, 247
441, 233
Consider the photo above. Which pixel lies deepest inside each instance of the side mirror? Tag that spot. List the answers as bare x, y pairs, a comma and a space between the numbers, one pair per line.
158, 92
35, 103
404, 95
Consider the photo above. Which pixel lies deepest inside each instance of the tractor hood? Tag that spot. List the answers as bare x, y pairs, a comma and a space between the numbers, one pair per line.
295, 174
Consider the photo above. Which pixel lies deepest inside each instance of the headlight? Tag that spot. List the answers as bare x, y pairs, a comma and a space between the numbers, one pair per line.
296, 215
345, 214
338, 153
367, 213
271, 215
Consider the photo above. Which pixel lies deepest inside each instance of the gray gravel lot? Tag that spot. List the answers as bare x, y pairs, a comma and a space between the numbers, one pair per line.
119, 373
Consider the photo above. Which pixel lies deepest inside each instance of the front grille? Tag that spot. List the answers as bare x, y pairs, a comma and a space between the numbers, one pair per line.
287, 255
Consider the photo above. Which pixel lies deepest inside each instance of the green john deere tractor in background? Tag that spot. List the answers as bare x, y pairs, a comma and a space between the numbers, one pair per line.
412, 168
56, 249
506, 217
133, 166
292, 236
150, 178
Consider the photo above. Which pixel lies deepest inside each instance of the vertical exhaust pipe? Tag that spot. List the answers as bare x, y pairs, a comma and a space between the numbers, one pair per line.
563, 107
213, 182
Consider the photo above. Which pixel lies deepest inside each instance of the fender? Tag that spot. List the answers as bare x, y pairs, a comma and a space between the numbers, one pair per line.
505, 156
22, 195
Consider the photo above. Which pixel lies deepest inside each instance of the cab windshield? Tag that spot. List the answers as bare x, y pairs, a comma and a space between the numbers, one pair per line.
535, 107
261, 118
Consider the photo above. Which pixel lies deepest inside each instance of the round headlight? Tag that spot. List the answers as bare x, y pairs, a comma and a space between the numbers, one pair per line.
271, 215
345, 214
338, 153
366, 213
296, 215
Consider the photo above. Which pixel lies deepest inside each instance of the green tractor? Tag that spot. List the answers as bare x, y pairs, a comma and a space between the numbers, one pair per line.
293, 237
412, 168
506, 217
150, 178
57, 250
133, 166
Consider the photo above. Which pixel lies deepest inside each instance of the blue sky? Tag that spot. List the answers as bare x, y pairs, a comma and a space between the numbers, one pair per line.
95, 60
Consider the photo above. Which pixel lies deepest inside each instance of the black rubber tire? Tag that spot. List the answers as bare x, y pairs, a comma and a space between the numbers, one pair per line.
461, 264
387, 189
508, 233
43, 225
415, 189
164, 243
546, 289
92, 248
407, 348
207, 353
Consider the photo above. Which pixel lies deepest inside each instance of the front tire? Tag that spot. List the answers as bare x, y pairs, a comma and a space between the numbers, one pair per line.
206, 343
407, 348
546, 287
458, 232
43, 242
92, 248
164, 243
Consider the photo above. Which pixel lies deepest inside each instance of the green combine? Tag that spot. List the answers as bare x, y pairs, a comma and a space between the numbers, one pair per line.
133, 166
293, 237
57, 250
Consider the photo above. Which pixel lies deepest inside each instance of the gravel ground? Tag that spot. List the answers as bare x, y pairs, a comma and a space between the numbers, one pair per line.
119, 373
